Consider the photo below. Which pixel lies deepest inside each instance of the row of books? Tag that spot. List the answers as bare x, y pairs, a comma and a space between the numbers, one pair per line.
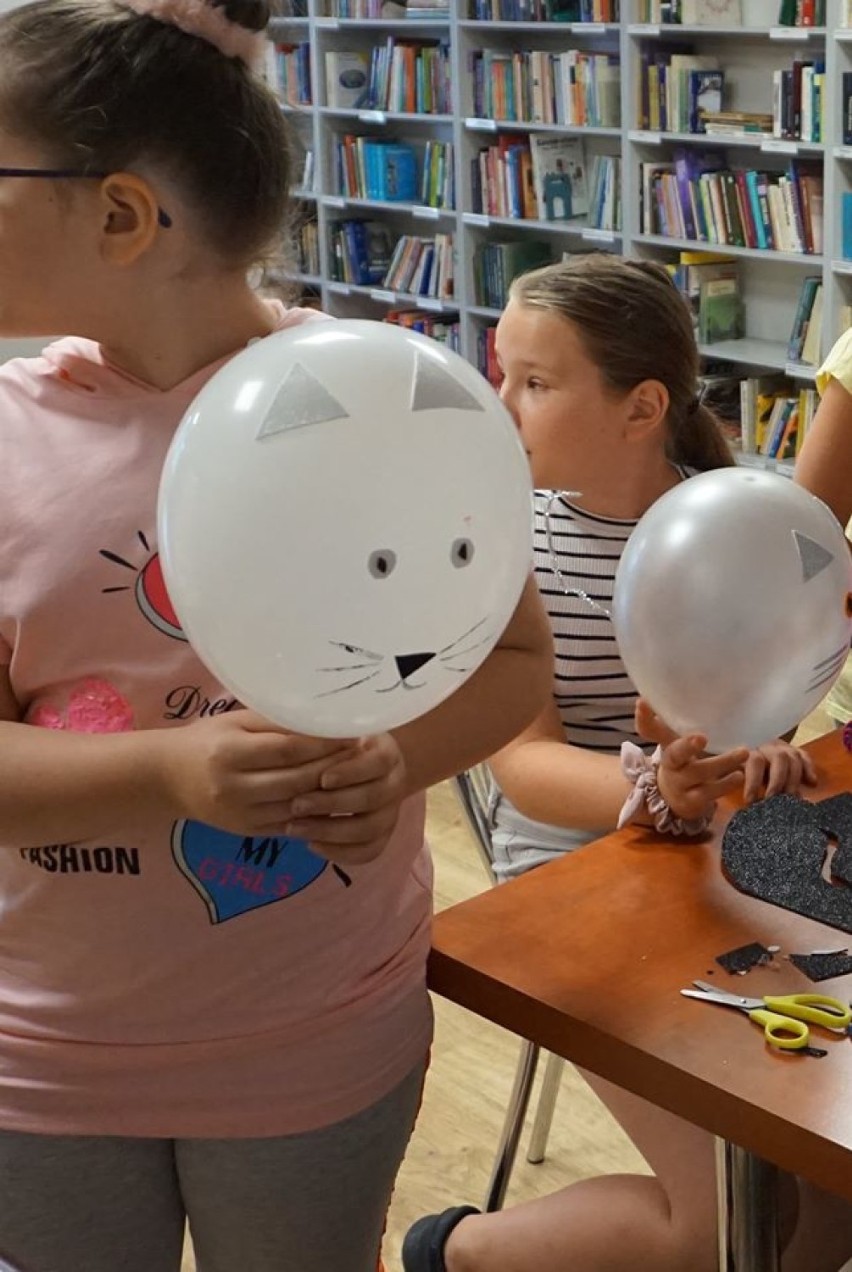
496, 264
369, 254
545, 10
420, 12
676, 88
534, 178
774, 416
539, 86
396, 172
799, 101
692, 12
486, 356
291, 73
698, 197
445, 331
307, 247
544, 178
402, 76
800, 13
423, 267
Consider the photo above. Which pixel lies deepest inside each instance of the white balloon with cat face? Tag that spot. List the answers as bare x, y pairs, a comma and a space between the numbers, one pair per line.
731, 605
345, 525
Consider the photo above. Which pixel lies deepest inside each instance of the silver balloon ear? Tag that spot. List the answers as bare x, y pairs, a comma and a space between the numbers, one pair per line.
813, 556
301, 400
433, 389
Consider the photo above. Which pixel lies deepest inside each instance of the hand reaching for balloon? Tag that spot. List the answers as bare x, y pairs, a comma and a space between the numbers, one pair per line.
777, 767
689, 780
353, 814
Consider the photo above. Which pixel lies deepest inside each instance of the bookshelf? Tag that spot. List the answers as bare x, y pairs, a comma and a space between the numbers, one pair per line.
748, 50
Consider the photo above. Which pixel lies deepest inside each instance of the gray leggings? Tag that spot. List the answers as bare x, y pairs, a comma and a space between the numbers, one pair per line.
300, 1203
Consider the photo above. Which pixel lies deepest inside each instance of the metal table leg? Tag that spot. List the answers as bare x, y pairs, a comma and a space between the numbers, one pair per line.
512, 1127
747, 1190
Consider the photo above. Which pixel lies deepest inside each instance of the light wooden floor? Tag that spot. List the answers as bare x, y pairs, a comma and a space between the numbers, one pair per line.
450, 1156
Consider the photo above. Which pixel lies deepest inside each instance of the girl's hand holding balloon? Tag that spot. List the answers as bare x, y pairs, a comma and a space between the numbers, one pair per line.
241, 773
352, 815
689, 780
776, 768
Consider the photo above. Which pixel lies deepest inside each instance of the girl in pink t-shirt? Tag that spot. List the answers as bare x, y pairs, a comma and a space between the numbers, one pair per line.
212, 932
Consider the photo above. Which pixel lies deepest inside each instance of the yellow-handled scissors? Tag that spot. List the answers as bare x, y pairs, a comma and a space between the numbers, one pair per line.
785, 1018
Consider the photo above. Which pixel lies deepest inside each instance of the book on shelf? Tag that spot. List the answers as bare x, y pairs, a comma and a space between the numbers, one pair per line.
846, 107
559, 177
605, 193
802, 13
445, 330
347, 79
361, 251
737, 123
719, 383
692, 271
720, 309
846, 225
802, 317
693, 12
812, 345
486, 356
496, 264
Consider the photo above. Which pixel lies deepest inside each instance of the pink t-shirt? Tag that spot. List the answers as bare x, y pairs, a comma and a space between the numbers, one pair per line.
168, 979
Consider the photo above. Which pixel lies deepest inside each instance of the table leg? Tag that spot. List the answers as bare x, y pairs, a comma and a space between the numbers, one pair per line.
748, 1211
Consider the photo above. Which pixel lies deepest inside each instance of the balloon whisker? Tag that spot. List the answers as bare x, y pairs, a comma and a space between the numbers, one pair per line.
328, 693
463, 636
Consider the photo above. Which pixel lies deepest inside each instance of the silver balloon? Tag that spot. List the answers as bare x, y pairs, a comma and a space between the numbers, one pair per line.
731, 605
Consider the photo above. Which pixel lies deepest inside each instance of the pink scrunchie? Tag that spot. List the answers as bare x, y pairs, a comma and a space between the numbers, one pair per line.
641, 769
195, 17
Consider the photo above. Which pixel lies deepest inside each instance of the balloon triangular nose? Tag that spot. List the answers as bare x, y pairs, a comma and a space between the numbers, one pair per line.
407, 664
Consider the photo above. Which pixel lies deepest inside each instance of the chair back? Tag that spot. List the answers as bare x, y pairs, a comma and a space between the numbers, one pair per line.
472, 788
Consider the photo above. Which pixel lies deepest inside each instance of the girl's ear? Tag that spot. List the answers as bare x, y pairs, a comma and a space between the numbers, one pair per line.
129, 218
647, 407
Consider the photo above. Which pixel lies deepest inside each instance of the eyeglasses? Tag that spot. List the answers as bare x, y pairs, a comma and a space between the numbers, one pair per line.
61, 174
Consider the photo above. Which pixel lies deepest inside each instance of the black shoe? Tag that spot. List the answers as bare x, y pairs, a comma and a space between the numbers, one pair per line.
423, 1247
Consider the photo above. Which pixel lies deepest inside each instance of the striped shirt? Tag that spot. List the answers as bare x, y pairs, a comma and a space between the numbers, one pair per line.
576, 555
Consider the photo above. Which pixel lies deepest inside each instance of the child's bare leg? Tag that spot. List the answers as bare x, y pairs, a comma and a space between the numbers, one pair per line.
615, 1223
629, 1223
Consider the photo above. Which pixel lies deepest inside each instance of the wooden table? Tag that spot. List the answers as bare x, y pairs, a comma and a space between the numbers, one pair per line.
586, 957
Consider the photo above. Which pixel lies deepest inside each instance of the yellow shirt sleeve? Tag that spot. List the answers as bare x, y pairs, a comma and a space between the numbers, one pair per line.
838, 365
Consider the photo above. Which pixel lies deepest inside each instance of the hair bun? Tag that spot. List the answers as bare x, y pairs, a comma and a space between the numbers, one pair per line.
254, 15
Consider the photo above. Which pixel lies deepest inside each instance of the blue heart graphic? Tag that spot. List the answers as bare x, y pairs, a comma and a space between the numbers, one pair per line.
234, 874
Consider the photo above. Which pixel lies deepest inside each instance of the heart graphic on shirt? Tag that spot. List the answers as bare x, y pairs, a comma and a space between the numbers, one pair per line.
234, 873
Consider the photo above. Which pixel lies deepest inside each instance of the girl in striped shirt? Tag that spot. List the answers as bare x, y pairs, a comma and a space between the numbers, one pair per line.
601, 372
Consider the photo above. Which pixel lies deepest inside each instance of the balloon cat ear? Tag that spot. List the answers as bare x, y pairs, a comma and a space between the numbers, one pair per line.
301, 400
434, 390
813, 556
